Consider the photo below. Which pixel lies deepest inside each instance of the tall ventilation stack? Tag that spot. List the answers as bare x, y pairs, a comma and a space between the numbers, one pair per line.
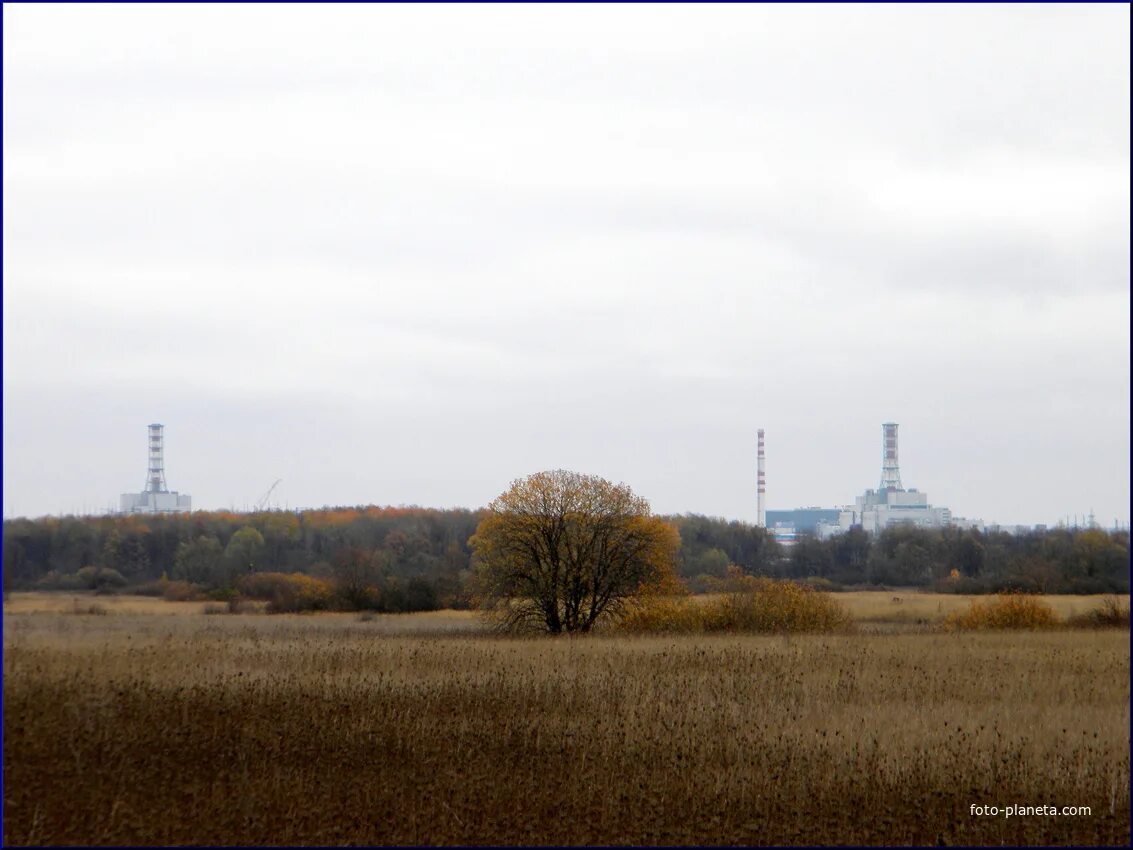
155, 481
762, 484
156, 497
890, 472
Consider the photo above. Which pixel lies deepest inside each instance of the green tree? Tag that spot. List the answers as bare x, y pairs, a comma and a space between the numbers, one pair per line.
200, 561
111, 551
559, 550
133, 558
970, 556
244, 550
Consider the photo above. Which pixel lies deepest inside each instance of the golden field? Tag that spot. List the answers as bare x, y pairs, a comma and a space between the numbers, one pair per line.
139, 728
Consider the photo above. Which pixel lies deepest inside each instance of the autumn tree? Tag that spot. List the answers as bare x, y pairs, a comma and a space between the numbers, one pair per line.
560, 550
357, 575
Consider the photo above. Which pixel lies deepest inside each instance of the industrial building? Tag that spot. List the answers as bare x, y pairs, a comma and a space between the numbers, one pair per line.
891, 504
874, 510
156, 498
804, 519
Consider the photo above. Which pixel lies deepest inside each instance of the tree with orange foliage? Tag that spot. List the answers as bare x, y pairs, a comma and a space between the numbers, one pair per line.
560, 550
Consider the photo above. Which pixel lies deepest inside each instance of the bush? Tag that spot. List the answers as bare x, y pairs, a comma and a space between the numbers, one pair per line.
149, 588
100, 578
747, 604
420, 596
1090, 586
663, 615
1006, 611
288, 592
766, 605
54, 580
179, 591
1110, 614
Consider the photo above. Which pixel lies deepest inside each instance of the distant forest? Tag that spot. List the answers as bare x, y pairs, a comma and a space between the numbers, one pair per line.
397, 559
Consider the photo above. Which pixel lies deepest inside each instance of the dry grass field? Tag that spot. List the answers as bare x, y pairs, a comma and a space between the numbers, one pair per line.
914, 607
905, 610
138, 728
868, 608
71, 603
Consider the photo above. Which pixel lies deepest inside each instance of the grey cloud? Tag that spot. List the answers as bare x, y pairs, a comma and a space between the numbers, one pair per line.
394, 256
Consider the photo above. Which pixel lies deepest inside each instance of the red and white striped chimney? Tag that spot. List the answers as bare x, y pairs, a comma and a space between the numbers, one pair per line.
761, 484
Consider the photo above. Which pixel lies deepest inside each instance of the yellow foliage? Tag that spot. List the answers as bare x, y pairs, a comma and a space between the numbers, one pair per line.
662, 614
288, 591
748, 604
558, 551
1006, 611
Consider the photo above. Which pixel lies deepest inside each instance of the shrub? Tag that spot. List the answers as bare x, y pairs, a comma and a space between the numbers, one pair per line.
149, 588
765, 605
1087, 585
1110, 614
54, 580
288, 592
662, 615
420, 596
1006, 611
100, 578
179, 591
746, 604
239, 605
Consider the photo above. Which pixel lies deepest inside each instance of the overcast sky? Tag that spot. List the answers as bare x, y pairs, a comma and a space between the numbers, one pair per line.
405, 255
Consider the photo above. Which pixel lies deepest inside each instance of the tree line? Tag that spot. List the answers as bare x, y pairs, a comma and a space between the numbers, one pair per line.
411, 558
955, 560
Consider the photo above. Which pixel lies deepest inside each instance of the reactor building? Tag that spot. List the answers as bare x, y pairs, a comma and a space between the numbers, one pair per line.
156, 498
890, 504
874, 510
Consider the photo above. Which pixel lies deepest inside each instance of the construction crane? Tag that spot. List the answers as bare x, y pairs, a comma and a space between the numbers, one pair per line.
261, 503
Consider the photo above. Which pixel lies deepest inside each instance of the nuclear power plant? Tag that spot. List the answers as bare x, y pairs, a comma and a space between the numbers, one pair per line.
874, 510
891, 503
156, 498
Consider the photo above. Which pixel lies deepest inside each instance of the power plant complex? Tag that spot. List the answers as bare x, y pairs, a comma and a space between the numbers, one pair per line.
874, 510
156, 498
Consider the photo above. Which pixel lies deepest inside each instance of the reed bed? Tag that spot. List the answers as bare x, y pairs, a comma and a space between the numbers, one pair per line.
255, 729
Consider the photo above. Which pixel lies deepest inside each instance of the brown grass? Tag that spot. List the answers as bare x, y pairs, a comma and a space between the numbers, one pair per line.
325, 730
912, 607
54, 603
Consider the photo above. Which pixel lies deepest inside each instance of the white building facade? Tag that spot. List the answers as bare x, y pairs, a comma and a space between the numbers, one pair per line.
169, 502
876, 510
